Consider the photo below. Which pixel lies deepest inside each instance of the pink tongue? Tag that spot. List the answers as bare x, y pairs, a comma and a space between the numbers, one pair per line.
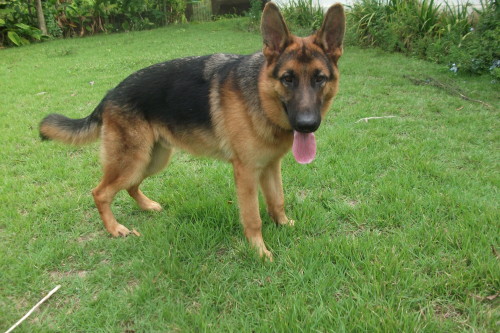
304, 147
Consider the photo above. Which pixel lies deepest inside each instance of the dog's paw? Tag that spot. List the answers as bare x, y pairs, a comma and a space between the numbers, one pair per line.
258, 243
286, 221
152, 206
119, 231
264, 253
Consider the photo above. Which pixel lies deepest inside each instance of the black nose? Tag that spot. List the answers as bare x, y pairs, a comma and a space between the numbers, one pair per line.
307, 122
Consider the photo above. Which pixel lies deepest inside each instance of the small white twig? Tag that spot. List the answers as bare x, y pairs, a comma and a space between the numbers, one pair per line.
33, 309
369, 118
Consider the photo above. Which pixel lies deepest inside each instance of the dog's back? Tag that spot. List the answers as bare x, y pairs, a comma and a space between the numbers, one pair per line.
181, 94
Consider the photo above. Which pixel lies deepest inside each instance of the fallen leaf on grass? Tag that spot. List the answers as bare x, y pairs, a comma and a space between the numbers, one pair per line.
156, 277
486, 298
495, 253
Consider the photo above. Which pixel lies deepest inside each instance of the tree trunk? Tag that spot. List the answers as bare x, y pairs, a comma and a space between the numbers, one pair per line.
165, 11
41, 18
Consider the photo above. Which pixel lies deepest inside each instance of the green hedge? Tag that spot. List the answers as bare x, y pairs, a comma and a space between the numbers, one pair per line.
19, 25
467, 39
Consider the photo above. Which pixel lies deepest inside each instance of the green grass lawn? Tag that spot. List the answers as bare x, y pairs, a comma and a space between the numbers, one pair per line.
397, 218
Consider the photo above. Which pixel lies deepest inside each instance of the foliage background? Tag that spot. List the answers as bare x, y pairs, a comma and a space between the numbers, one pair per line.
466, 39
456, 34
69, 18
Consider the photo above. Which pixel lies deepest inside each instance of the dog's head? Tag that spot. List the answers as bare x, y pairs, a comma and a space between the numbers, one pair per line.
302, 73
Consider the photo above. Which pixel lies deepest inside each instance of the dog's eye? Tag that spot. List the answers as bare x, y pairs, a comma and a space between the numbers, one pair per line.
287, 79
320, 79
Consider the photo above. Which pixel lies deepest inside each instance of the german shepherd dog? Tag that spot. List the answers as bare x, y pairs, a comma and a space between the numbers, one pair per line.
248, 110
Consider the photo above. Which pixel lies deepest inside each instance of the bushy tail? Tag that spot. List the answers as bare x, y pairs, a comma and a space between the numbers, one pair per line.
72, 131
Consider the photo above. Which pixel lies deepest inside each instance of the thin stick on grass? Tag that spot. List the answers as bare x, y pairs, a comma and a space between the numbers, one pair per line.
446, 87
33, 309
370, 118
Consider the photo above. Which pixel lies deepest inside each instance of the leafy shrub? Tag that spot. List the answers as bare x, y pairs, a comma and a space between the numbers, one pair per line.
254, 14
470, 47
479, 51
13, 32
303, 16
444, 34
395, 25
83, 17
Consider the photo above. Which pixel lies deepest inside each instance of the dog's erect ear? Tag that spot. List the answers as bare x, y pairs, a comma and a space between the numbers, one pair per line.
331, 33
274, 31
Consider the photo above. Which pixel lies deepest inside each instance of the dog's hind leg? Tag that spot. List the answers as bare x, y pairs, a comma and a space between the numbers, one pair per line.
160, 156
272, 188
126, 154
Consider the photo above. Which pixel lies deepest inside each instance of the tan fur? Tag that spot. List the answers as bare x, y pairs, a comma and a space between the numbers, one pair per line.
127, 159
80, 138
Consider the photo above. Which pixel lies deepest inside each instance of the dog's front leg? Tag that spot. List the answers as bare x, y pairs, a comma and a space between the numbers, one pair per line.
246, 178
272, 187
